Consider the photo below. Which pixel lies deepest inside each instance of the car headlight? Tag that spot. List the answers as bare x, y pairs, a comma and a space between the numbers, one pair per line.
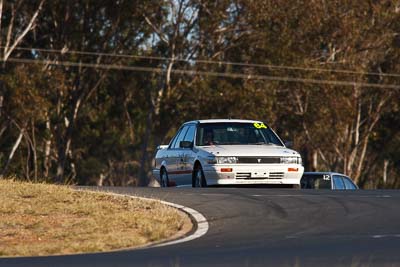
291, 160
224, 160
211, 160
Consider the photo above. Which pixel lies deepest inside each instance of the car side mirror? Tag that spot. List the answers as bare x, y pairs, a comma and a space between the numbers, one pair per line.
288, 144
162, 147
186, 144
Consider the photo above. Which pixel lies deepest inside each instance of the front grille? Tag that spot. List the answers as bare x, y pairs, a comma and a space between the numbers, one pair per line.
243, 175
276, 175
259, 160
272, 175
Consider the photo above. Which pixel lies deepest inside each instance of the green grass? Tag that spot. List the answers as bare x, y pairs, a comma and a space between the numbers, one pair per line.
39, 219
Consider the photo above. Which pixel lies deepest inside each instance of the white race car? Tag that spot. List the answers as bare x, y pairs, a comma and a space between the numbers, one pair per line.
221, 152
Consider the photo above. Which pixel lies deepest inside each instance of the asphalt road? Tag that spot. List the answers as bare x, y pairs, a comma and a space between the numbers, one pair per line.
266, 227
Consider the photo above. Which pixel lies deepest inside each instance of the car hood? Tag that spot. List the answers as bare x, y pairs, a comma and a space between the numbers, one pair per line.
248, 150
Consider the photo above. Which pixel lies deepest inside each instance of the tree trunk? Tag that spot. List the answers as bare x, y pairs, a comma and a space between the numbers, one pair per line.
28, 159
314, 161
47, 149
356, 137
385, 167
10, 157
101, 179
60, 166
34, 153
143, 179
1, 100
63, 149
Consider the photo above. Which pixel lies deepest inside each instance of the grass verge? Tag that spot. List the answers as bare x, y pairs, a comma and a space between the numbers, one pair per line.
40, 219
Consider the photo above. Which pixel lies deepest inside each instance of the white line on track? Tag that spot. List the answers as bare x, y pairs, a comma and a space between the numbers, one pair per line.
201, 221
386, 236
346, 236
323, 195
184, 186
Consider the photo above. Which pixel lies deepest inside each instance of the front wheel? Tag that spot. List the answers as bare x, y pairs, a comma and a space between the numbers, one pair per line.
198, 179
164, 181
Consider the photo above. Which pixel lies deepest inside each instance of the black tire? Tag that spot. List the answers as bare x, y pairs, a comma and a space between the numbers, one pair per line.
198, 179
164, 181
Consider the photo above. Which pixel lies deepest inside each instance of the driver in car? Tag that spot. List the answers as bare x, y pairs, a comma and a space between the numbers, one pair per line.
209, 138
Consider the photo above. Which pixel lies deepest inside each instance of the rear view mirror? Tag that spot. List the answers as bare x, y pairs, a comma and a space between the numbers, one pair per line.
186, 144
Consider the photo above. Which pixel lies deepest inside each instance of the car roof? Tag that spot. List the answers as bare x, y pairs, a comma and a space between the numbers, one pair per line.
222, 121
321, 173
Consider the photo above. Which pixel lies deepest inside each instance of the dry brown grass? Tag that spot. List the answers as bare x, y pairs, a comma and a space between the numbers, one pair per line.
39, 219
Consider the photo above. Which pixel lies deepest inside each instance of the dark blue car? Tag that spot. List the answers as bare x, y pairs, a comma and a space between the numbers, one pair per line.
327, 180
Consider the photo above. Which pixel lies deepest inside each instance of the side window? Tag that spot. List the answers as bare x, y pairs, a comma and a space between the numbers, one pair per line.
180, 136
338, 182
199, 136
316, 181
348, 184
171, 145
323, 182
190, 134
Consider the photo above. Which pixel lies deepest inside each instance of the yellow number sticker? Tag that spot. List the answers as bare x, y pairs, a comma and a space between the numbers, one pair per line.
260, 125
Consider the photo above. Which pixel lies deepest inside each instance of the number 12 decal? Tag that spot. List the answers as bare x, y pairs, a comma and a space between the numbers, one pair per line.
327, 177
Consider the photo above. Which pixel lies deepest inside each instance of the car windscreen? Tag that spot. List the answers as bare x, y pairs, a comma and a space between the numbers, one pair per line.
316, 181
231, 133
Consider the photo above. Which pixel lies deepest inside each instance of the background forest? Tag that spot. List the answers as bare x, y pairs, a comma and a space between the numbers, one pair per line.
88, 89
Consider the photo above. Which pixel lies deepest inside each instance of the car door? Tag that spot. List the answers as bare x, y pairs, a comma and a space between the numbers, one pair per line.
188, 156
174, 156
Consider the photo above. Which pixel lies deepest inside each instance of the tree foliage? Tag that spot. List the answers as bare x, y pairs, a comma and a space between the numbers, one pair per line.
316, 71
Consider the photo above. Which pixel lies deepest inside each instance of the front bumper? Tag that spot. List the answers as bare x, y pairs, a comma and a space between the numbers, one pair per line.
253, 174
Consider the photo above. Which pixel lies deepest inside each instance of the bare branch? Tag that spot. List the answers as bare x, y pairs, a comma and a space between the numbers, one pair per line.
3, 129
22, 35
157, 30
99, 82
1, 14
10, 27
